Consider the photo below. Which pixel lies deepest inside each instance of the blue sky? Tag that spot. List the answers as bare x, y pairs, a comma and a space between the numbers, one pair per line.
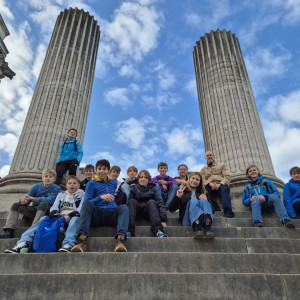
144, 106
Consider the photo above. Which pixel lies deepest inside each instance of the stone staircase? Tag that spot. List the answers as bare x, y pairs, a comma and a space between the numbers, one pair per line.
242, 262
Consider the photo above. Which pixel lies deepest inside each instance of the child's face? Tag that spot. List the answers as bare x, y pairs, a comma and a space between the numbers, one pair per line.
163, 170
114, 174
72, 185
296, 176
48, 179
143, 180
182, 171
253, 173
131, 173
102, 172
89, 173
72, 134
194, 181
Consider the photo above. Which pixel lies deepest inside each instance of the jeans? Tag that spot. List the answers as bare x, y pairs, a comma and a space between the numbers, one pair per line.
71, 232
125, 188
147, 209
168, 195
195, 209
224, 192
90, 215
273, 201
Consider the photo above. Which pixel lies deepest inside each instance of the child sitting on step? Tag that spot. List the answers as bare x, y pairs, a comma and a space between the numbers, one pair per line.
195, 208
261, 194
67, 204
145, 201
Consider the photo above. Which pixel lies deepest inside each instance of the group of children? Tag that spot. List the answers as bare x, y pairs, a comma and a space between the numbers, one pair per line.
101, 200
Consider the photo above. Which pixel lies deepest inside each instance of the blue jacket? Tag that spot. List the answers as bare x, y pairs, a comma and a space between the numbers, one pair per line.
43, 194
257, 189
291, 194
67, 150
96, 188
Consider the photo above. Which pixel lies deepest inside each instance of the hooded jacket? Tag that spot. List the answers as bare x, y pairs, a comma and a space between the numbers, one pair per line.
67, 150
96, 188
149, 192
291, 195
267, 189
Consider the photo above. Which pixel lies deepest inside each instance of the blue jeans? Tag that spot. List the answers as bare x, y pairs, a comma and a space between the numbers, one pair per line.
195, 208
71, 232
168, 195
90, 215
126, 189
273, 201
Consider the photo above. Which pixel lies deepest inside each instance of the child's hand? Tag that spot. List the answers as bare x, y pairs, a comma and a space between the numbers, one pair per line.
202, 196
251, 199
262, 198
128, 179
107, 197
164, 224
25, 199
179, 192
162, 182
164, 187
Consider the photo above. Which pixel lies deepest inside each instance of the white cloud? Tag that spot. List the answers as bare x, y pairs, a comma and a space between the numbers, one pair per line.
265, 64
129, 71
8, 143
183, 141
5, 11
191, 87
4, 170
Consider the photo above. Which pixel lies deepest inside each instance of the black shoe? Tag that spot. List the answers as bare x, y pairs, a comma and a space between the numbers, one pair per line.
209, 233
229, 214
199, 231
257, 223
8, 234
288, 223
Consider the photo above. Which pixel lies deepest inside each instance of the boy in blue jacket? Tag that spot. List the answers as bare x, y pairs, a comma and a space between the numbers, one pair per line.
35, 204
291, 193
69, 156
262, 194
100, 209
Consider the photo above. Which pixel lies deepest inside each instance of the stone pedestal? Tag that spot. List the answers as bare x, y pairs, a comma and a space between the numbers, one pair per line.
230, 122
60, 101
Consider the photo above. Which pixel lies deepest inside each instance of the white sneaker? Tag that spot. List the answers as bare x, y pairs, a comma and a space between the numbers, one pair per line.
65, 248
19, 248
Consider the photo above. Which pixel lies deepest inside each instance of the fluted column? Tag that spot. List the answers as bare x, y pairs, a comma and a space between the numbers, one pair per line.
61, 98
230, 122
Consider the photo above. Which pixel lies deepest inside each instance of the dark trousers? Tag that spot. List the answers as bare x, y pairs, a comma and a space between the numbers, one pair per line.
147, 209
296, 206
224, 193
120, 198
64, 166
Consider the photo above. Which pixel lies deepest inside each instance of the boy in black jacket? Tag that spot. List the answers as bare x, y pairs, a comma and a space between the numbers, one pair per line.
144, 200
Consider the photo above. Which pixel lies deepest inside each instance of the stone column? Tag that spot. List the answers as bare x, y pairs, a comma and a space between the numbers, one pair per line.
230, 122
60, 101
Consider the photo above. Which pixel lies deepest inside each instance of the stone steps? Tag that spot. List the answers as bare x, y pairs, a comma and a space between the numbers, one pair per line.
150, 286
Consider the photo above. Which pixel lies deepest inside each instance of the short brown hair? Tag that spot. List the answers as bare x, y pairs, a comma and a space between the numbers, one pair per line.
203, 190
252, 166
116, 168
147, 174
162, 164
89, 167
72, 177
294, 170
51, 171
132, 168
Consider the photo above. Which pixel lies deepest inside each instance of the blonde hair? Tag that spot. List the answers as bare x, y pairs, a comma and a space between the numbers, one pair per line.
203, 190
50, 171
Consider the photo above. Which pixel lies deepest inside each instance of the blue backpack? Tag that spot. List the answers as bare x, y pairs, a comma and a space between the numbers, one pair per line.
49, 235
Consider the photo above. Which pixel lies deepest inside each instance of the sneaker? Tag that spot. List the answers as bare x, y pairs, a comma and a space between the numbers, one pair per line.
257, 223
288, 223
120, 247
229, 214
19, 248
8, 234
65, 248
161, 234
82, 244
199, 233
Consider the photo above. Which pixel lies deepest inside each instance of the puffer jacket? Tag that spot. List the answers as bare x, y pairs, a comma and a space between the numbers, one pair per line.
67, 150
149, 192
291, 195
